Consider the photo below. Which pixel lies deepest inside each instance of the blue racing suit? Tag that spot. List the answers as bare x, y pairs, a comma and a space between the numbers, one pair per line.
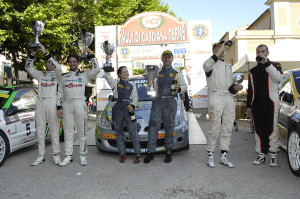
164, 107
125, 94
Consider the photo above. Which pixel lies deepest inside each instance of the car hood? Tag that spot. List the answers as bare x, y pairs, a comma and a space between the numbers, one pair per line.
142, 113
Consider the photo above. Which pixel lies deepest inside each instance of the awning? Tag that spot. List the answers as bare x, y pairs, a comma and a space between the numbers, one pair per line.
242, 65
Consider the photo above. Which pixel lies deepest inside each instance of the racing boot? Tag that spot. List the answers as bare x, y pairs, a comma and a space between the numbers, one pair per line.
56, 159
210, 159
261, 159
83, 160
66, 161
123, 158
148, 158
273, 162
225, 161
168, 157
38, 161
137, 159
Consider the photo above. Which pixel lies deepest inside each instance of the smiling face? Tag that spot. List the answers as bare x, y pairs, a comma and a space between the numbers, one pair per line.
167, 60
73, 63
124, 74
48, 66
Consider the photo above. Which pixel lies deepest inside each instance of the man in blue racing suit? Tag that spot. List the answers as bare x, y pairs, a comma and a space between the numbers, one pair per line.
164, 106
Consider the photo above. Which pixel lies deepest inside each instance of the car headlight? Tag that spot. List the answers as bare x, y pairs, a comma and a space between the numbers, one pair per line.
104, 121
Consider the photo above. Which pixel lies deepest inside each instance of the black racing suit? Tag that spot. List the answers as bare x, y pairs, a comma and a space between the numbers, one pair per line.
263, 99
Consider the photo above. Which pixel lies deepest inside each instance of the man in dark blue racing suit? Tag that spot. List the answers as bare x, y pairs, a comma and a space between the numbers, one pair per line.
164, 106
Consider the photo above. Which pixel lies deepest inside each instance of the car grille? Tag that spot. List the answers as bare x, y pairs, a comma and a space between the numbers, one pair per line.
146, 129
160, 142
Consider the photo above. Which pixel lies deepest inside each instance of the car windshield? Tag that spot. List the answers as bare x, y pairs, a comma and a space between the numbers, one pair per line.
141, 85
4, 95
297, 80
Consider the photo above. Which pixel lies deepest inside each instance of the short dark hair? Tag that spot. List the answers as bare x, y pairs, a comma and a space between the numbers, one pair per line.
167, 52
263, 45
120, 70
73, 55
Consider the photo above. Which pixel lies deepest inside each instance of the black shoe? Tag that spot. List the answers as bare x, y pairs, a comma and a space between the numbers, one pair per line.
168, 158
148, 158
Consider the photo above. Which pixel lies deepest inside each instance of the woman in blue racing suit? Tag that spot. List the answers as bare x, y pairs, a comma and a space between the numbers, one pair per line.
125, 94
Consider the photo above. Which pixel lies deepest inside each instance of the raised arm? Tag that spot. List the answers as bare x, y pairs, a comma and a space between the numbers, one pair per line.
110, 80
29, 66
95, 65
275, 72
53, 62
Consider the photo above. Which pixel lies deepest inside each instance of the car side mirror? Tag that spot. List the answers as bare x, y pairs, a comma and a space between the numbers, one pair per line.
12, 110
287, 97
111, 98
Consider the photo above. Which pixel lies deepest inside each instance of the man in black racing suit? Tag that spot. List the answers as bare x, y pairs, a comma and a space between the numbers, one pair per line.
263, 105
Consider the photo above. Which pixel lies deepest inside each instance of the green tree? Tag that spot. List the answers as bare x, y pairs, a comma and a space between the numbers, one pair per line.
64, 21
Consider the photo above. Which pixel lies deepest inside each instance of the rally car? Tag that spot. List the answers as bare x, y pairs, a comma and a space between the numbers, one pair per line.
289, 118
17, 119
105, 131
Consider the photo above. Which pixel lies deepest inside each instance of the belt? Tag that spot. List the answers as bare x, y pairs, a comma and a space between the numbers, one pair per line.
74, 98
222, 92
123, 100
166, 97
41, 98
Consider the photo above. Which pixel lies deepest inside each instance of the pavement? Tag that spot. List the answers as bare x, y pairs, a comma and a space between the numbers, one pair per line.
187, 176
196, 135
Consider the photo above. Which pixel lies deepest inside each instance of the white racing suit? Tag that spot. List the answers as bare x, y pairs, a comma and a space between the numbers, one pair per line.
71, 98
219, 79
164, 107
125, 93
46, 103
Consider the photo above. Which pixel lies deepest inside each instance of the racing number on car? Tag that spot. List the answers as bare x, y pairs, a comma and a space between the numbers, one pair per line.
28, 131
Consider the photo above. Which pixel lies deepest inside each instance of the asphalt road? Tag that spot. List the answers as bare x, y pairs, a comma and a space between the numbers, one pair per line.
187, 176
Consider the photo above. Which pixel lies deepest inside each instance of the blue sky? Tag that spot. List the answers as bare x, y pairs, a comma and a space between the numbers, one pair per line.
225, 15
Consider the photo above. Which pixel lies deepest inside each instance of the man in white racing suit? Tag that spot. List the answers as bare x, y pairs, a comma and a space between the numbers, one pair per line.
72, 107
220, 84
46, 103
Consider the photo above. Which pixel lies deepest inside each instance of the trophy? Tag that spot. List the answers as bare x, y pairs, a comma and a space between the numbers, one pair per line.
86, 39
151, 72
238, 78
108, 48
37, 28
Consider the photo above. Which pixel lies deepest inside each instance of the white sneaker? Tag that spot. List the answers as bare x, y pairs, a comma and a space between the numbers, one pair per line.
261, 159
210, 160
38, 161
83, 160
56, 159
66, 161
224, 160
273, 162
